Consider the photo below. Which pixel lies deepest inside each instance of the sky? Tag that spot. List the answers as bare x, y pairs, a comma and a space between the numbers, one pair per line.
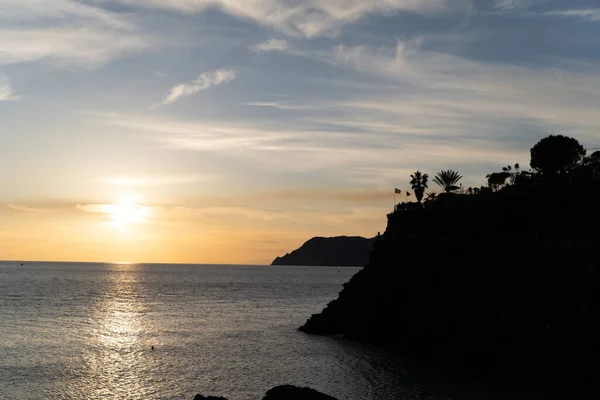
225, 131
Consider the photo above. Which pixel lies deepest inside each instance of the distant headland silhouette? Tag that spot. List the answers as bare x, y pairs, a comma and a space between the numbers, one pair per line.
339, 251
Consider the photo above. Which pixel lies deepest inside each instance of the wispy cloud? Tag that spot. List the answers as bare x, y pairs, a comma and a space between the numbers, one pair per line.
592, 14
449, 84
81, 46
119, 213
445, 111
66, 32
284, 105
360, 153
309, 18
26, 210
206, 80
512, 5
45, 11
150, 181
270, 45
96, 208
536, 8
6, 90
359, 196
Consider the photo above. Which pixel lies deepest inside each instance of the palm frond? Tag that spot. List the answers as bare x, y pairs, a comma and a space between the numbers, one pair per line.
447, 180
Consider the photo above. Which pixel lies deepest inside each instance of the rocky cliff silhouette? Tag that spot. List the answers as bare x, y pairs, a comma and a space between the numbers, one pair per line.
336, 251
508, 279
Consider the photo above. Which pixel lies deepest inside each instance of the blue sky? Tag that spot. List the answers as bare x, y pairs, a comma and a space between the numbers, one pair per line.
282, 119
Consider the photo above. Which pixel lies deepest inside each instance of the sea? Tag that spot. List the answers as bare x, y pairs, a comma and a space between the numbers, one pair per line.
158, 331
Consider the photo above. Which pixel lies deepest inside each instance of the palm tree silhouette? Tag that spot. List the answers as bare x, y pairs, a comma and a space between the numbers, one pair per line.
419, 184
447, 180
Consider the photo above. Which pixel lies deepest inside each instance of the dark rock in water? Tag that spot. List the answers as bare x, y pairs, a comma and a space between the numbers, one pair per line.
339, 251
289, 392
200, 397
285, 392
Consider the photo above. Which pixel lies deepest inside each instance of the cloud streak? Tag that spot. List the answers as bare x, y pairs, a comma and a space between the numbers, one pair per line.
434, 107
592, 14
65, 32
436, 84
83, 47
386, 145
308, 18
151, 181
206, 80
270, 45
6, 90
26, 210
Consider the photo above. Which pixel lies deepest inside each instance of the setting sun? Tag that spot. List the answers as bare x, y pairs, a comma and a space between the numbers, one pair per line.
127, 212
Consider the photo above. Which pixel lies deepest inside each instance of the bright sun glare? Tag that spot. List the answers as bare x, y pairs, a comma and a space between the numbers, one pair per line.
127, 212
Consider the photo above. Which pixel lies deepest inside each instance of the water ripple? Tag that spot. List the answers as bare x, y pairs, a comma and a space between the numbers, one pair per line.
86, 331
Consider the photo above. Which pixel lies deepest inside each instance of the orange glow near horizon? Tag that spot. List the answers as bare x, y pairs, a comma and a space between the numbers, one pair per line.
149, 227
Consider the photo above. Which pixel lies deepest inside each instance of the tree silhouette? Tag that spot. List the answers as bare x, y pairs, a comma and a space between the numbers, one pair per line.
593, 158
515, 175
447, 180
556, 154
419, 184
498, 179
511, 174
431, 196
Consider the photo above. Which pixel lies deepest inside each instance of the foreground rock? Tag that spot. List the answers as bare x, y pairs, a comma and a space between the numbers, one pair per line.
289, 392
339, 251
285, 392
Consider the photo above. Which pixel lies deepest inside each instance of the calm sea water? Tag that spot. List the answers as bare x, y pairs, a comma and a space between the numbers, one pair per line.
86, 331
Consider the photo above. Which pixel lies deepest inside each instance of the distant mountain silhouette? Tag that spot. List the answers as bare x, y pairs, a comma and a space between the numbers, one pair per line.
339, 251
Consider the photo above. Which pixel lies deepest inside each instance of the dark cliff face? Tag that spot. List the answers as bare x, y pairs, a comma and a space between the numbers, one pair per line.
335, 251
509, 278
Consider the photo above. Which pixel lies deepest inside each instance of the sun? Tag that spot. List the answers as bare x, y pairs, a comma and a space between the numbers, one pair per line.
127, 212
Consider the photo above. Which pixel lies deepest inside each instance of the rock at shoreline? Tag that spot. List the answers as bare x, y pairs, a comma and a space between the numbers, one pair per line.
339, 251
284, 392
289, 392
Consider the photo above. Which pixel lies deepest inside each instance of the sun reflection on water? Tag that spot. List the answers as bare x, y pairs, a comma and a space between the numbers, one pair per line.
119, 357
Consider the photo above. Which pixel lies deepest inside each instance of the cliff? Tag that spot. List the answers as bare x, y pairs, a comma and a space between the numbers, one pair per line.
508, 279
335, 251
